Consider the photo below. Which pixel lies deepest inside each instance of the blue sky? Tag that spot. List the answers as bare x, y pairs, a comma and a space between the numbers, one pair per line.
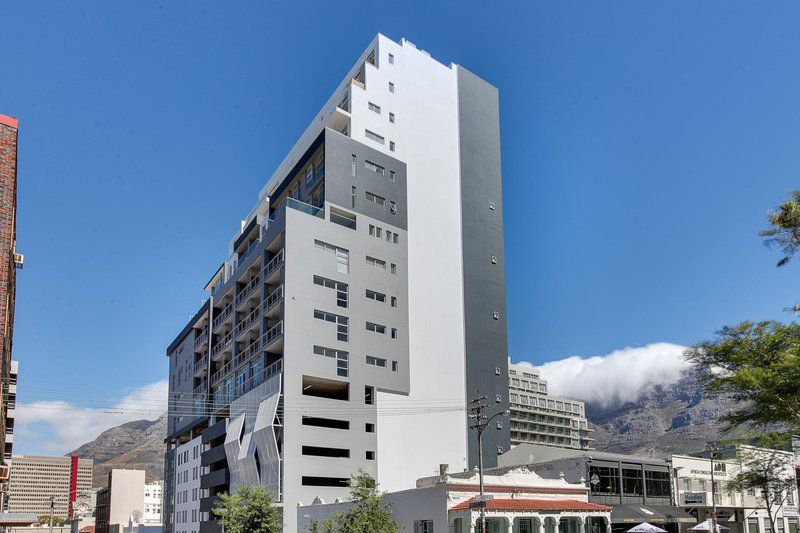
642, 143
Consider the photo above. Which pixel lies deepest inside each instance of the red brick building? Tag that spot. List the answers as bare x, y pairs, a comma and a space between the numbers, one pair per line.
9, 262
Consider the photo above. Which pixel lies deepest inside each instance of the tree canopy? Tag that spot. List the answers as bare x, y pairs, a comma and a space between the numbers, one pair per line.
368, 513
769, 474
784, 230
249, 510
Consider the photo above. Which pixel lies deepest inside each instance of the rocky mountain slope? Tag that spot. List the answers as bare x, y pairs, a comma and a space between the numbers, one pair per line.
139, 445
676, 419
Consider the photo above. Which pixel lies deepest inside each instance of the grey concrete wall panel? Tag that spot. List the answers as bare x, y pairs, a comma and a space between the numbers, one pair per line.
339, 151
482, 235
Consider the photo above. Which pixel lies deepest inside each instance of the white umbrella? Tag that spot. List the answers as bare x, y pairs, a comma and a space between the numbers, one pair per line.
707, 526
646, 528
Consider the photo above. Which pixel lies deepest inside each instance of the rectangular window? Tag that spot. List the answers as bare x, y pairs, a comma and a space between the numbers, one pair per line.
376, 361
343, 218
392, 176
372, 136
376, 262
395, 366
369, 165
371, 457
338, 286
374, 198
377, 328
369, 395
391, 146
324, 451
341, 357
394, 301
391, 59
391, 87
325, 422
426, 526
342, 255
393, 208
339, 320
353, 166
394, 268
391, 118
394, 333
319, 481
396, 238
375, 108
371, 230
377, 296
378, 232
326, 388
370, 428
353, 195
752, 525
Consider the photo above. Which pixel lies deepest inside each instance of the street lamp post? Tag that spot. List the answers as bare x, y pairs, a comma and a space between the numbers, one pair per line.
481, 423
712, 449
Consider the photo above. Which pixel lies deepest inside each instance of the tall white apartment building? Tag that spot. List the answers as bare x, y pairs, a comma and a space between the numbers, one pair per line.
153, 496
362, 305
539, 418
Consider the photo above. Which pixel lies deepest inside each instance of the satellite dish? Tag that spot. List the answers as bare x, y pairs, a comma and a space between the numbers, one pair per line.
136, 515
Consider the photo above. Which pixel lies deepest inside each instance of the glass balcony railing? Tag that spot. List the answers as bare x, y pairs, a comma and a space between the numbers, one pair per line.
299, 206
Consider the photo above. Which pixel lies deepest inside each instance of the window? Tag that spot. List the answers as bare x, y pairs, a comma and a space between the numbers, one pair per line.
340, 321
353, 198
377, 328
323, 451
376, 262
391, 117
375, 108
370, 428
391, 146
342, 255
394, 301
371, 457
752, 525
326, 388
338, 286
604, 480
353, 166
369, 165
391, 87
374, 198
378, 232
393, 208
426, 526
395, 366
391, 59
687, 485
319, 481
372, 136
632, 481
341, 357
369, 395
793, 523
377, 296
392, 176
657, 484
396, 238
394, 333
514, 398
376, 361
394, 268
343, 218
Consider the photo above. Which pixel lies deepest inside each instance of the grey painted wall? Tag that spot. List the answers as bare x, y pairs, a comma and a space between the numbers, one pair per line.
482, 237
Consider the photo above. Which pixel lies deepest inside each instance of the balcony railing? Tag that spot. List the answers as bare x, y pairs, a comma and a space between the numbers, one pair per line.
202, 387
247, 352
298, 206
273, 265
274, 297
201, 338
246, 322
273, 333
248, 289
225, 313
221, 345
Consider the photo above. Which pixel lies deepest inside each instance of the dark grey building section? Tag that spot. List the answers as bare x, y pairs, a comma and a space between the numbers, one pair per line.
343, 173
486, 339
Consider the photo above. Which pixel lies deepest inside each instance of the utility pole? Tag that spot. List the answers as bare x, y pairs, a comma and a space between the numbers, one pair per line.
478, 413
52, 508
712, 449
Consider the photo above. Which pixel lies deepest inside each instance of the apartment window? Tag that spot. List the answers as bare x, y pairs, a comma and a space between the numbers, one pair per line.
325, 422
369, 165
370, 428
309, 174
514, 398
752, 525
378, 232
376, 361
353, 166
391, 118
338, 286
793, 523
394, 301
353, 194
340, 356
377, 296
393, 208
376, 262
372, 136
391, 146
392, 176
388, 236
376, 328
371, 457
395, 366
342, 255
394, 333
426, 526
375, 108
396, 238
369, 395
343, 218
394, 269
340, 321
391, 59
324, 451
320, 481
374, 198
330, 389
391, 87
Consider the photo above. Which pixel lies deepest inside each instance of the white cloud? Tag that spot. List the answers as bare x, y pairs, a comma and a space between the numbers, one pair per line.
618, 377
58, 426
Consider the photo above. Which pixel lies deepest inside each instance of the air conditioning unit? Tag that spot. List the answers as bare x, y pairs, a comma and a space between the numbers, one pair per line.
5, 472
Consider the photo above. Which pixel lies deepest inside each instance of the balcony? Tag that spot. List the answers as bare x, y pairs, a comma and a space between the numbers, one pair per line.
272, 301
246, 322
248, 289
200, 389
221, 345
270, 339
200, 339
200, 368
222, 317
251, 350
216, 376
271, 268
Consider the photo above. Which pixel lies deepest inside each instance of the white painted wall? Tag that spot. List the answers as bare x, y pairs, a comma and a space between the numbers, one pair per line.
153, 498
187, 493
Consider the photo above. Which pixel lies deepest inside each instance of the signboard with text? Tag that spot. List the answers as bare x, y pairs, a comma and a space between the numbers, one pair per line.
693, 498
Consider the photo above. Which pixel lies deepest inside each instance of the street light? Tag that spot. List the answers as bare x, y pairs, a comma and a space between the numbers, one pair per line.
712, 449
481, 423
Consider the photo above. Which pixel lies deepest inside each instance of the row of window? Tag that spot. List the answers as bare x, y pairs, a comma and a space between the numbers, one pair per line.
380, 297
375, 108
534, 386
374, 167
377, 231
544, 403
372, 136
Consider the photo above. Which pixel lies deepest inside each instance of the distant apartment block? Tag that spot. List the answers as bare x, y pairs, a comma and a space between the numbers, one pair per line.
361, 306
127, 501
538, 418
37, 478
9, 262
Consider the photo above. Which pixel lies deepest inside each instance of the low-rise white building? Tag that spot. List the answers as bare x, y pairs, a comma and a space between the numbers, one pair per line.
153, 496
521, 501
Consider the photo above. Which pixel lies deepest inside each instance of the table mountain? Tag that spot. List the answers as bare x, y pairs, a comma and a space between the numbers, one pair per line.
134, 445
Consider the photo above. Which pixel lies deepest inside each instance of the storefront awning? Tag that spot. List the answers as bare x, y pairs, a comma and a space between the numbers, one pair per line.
635, 514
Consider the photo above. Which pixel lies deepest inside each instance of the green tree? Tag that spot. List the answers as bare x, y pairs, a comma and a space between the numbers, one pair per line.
368, 513
757, 364
248, 510
769, 474
784, 230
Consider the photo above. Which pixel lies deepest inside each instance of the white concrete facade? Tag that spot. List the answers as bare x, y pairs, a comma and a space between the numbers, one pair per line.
153, 498
187, 487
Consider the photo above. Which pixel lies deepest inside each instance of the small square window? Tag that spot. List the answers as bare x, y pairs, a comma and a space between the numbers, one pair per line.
369, 427
370, 455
